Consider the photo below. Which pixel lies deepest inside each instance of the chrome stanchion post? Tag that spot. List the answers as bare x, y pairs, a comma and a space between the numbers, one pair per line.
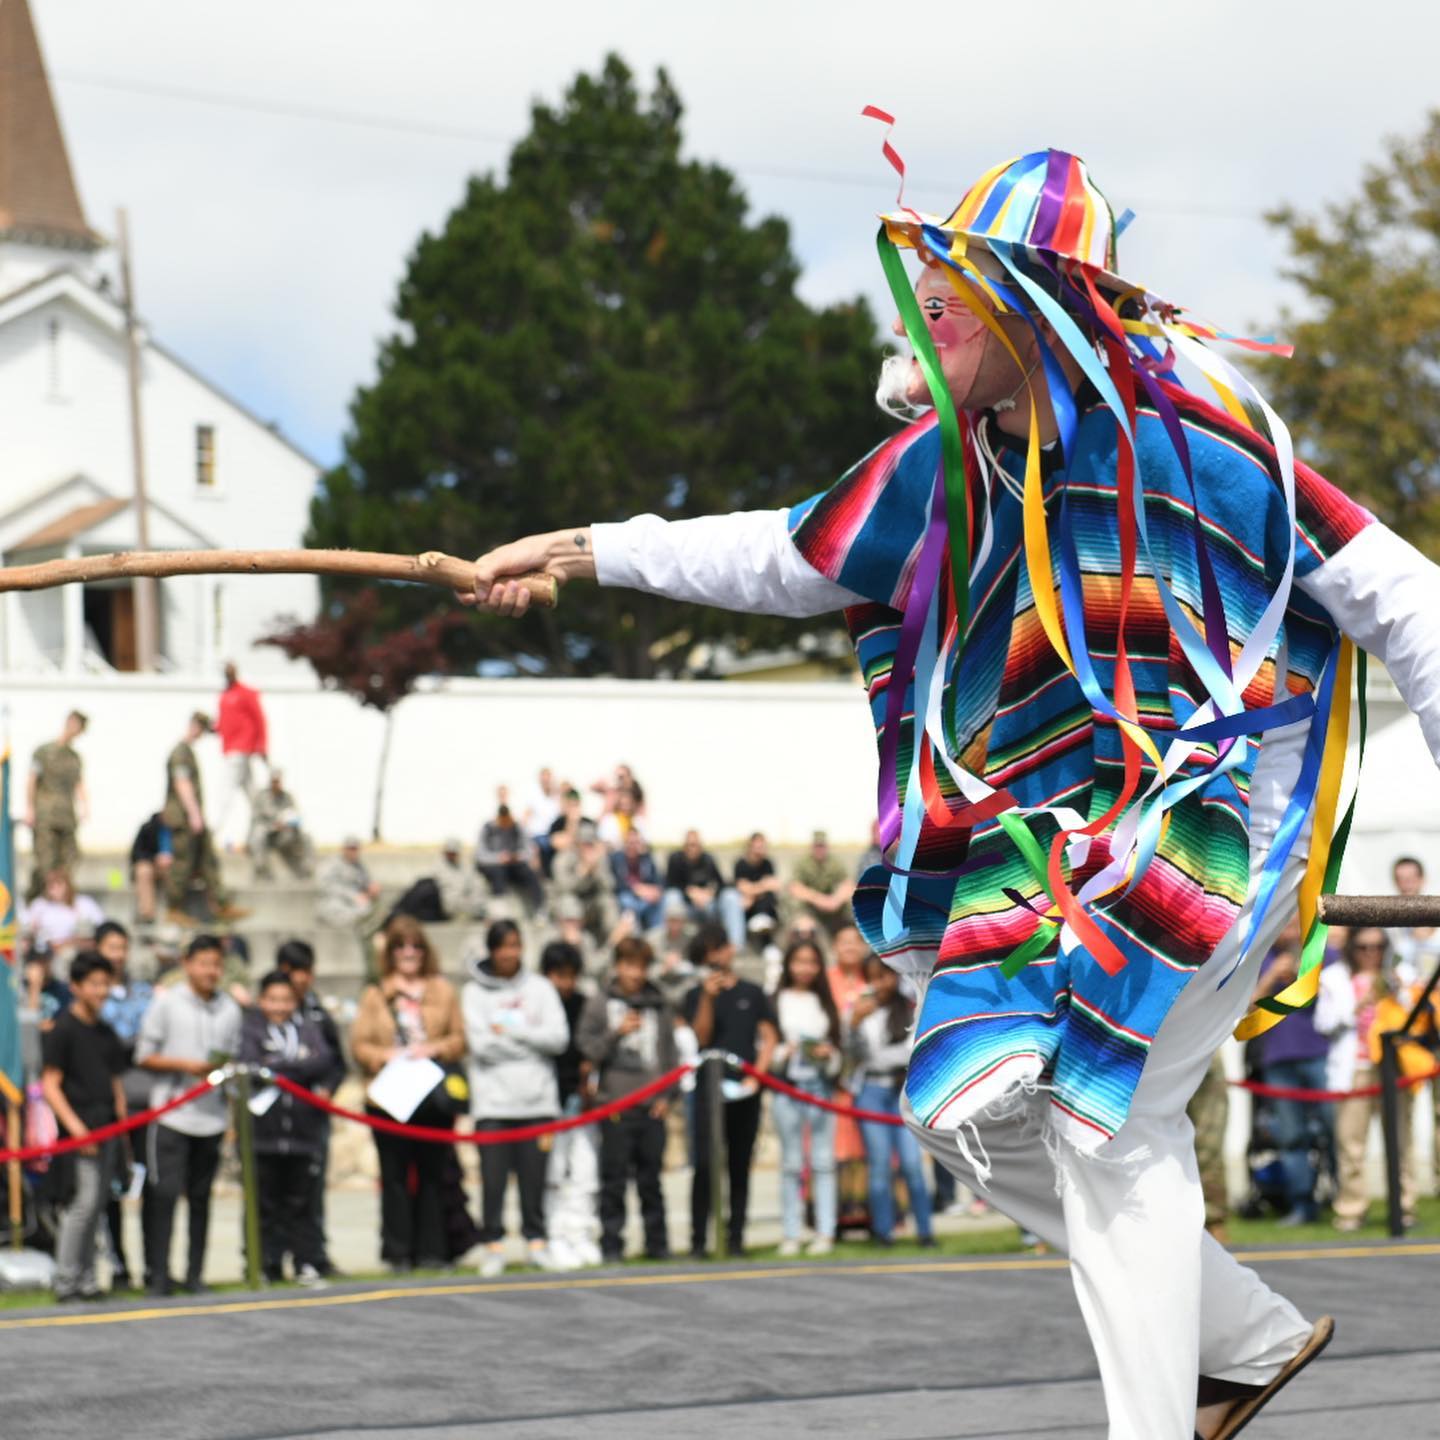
245, 1142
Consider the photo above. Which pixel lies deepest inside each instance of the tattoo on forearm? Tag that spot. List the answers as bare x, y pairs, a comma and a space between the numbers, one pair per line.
579, 542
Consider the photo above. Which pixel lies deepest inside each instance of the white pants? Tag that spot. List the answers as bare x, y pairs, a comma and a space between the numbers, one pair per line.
572, 1185
242, 774
1163, 1302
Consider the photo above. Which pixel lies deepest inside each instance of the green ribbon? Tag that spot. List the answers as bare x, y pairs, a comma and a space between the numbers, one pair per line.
952, 464
957, 517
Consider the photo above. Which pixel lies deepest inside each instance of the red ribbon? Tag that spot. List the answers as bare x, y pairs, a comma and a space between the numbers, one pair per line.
487, 1137
877, 1117
105, 1132
1289, 1092
874, 112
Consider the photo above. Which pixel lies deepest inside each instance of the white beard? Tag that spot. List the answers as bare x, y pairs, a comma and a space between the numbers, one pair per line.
892, 387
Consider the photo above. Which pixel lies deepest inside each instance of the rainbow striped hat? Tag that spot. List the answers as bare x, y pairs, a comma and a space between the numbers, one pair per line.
1044, 202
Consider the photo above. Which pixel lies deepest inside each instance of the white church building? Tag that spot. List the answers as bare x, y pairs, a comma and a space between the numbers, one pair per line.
217, 476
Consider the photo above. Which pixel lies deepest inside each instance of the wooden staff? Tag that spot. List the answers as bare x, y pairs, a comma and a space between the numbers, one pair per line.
434, 567
1380, 910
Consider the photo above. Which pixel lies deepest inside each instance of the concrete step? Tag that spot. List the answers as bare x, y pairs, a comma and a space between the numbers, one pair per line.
391, 866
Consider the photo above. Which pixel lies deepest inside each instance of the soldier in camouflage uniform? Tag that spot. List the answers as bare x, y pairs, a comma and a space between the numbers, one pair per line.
1209, 1110
55, 802
191, 843
275, 829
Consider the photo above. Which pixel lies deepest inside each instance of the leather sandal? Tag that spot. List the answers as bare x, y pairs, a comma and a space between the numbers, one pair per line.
1251, 1399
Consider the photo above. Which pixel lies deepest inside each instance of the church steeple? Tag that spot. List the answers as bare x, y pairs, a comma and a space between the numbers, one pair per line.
39, 205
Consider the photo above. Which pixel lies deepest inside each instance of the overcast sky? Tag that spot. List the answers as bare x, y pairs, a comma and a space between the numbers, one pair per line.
269, 242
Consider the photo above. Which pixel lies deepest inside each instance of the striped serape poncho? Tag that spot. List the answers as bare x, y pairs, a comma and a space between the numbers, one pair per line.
1015, 716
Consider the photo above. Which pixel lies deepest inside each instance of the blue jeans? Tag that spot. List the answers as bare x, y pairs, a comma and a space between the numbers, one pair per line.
792, 1119
727, 907
884, 1145
646, 912
1292, 1122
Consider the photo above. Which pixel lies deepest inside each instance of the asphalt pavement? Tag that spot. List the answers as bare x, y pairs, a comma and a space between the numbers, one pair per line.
915, 1350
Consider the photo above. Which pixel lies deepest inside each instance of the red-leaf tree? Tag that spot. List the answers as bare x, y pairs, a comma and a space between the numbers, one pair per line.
349, 649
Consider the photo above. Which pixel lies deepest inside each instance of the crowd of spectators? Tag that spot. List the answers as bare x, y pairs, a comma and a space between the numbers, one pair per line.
603, 966
1308, 1157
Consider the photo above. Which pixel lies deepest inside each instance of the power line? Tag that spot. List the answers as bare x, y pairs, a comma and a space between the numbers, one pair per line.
401, 125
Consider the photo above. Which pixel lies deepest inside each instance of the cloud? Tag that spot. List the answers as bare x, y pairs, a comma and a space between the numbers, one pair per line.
269, 245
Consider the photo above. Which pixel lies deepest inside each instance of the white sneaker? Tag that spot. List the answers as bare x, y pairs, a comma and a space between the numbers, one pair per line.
542, 1257
310, 1278
492, 1264
562, 1256
587, 1253
820, 1245
789, 1249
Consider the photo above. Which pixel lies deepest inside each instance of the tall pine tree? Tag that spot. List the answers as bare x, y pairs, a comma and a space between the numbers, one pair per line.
604, 332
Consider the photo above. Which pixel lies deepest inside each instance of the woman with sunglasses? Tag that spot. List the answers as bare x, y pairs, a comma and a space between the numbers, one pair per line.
1349, 1011
412, 1010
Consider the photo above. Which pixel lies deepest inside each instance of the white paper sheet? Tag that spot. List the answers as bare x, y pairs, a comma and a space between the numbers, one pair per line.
404, 1082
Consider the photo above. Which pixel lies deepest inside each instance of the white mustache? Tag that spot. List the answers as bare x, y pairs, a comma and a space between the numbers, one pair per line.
892, 386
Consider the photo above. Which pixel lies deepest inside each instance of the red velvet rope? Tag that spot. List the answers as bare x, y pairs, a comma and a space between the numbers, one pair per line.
487, 1137
877, 1117
602, 1112
1289, 1092
106, 1132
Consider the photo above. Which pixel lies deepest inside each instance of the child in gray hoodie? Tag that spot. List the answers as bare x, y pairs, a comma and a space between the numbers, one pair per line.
514, 1028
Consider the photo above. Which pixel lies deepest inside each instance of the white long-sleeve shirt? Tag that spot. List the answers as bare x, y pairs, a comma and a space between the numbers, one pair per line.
803, 1021
1380, 590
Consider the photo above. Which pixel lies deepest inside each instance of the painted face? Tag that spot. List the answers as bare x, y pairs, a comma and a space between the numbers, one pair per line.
950, 321
976, 368
958, 334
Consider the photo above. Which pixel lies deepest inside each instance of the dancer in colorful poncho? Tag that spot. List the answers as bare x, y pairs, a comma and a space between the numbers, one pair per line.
1108, 632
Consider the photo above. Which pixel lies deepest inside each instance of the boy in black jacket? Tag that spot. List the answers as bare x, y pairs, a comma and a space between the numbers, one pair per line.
297, 959
289, 1134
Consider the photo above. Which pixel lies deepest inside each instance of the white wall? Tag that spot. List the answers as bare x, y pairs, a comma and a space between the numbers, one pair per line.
730, 759
784, 758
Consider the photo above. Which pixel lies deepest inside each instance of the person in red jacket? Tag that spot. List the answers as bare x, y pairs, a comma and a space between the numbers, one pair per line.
243, 740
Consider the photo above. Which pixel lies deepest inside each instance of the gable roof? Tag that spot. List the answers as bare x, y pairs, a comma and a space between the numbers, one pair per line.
70, 524
168, 530
38, 198
79, 482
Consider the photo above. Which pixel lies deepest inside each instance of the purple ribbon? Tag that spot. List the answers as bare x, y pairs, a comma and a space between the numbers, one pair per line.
917, 605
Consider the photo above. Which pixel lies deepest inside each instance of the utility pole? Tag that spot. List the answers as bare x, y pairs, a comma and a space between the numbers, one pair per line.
146, 595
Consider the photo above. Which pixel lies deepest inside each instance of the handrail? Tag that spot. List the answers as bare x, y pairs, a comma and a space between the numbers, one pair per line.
1381, 910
